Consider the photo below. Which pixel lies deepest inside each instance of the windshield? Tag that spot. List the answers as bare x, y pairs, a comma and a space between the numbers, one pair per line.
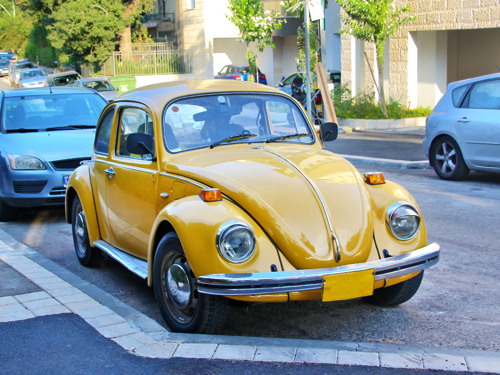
50, 111
213, 120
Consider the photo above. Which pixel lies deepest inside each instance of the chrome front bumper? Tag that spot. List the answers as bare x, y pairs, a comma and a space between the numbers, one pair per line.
247, 284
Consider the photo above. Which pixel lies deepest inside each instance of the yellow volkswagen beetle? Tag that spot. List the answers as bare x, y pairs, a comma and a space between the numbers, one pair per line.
215, 190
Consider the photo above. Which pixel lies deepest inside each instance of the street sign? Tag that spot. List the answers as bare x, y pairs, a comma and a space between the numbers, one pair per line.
316, 11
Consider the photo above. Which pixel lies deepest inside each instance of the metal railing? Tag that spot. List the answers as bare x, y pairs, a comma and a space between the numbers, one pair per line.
148, 63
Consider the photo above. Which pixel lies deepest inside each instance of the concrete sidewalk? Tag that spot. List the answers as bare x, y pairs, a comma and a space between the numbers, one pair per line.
33, 287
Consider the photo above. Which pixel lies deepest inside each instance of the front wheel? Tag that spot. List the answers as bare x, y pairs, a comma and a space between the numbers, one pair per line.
447, 160
182, 306
396, 294
87, 255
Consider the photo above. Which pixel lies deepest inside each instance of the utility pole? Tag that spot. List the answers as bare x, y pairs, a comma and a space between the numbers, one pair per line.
308, 58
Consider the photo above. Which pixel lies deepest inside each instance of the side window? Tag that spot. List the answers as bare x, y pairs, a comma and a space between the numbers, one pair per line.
103, 133
485, 95
133, 120
458, 94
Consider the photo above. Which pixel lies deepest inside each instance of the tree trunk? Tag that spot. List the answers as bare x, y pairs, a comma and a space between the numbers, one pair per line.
126, 35
380, 67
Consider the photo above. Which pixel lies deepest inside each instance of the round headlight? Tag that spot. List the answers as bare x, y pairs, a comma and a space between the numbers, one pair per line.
235, 241
25, 162
403, 220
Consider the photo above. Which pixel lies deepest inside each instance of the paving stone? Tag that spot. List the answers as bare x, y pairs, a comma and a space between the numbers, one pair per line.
105, 320
116, 330
134, 340
275, 354
484, 364
157, 350
50, 310
358, 358
235, 352
8, 300
195, 350
41, 303
13, 312
316, 355
444, 362
32, 296
401, 360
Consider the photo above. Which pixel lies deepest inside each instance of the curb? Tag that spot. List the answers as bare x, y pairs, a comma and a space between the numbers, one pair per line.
64, 292
403, 164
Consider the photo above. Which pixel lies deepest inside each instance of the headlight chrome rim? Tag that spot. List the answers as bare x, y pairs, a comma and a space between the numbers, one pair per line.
402, 209
229, 228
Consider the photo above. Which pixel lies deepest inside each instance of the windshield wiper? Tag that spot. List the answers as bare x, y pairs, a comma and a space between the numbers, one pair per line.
21, 130
233, 138
70, 127
288, 136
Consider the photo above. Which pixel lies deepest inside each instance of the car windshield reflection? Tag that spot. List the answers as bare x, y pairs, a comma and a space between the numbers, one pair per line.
50, 112
213, 120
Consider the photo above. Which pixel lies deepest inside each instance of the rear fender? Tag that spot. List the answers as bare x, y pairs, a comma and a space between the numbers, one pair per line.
80, 185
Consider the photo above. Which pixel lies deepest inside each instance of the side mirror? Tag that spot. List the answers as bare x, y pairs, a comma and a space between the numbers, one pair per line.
328, 131
140, 144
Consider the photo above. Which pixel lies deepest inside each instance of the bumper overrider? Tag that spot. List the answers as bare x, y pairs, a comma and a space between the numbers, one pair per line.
260, 283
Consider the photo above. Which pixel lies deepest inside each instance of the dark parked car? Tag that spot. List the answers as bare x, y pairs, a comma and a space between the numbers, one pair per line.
239, 73
44, 135
63, 79
463, 130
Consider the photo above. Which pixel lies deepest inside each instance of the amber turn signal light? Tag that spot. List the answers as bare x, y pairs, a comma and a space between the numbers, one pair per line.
374, 178
211, 195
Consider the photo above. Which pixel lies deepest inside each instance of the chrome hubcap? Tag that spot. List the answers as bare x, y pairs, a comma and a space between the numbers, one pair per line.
446, 158
79, 228
178, 286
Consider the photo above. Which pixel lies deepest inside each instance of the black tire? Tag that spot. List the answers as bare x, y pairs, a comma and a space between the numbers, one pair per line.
396, 294
87, 255
447, 160
6, 212
183, 308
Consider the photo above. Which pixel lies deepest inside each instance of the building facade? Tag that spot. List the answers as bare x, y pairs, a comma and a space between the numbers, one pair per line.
450, 40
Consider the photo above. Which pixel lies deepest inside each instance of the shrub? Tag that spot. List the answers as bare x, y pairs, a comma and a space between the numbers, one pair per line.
365, 106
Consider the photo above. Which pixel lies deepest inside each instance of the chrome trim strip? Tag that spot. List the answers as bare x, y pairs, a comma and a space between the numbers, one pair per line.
336, 251
185, 179
132, 263
247, 284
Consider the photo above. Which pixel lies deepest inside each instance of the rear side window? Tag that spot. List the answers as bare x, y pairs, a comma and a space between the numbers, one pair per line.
458, 95
485, 95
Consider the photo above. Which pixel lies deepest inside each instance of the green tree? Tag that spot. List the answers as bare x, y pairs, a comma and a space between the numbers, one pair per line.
254, 25
88, 30
15, 25
374, 21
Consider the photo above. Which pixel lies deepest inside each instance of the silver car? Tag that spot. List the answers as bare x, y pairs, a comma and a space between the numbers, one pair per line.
463, 131
32, 78
44, 135
100, 84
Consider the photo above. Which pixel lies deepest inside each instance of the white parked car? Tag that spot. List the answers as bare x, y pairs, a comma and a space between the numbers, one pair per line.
463, 130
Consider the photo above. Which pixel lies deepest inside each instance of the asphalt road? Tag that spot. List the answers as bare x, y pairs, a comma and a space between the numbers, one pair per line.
457, 305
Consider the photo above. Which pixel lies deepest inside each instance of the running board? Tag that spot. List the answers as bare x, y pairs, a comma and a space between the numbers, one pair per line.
132, 263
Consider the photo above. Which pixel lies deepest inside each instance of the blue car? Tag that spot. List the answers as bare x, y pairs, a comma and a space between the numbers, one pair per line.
45, 133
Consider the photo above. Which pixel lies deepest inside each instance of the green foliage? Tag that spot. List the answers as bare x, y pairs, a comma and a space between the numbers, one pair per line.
365, 106
86, 29
14, 30
254, 24
38, 48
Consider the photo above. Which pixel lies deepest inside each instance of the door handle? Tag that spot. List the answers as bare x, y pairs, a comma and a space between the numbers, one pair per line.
110, 172
463, 120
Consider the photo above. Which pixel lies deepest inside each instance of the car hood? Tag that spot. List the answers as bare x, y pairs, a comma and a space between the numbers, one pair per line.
50, 146
298, 195
34, 79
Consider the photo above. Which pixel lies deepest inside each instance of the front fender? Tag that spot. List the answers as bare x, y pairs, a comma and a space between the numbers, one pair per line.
80, 185
381, 198
196, 223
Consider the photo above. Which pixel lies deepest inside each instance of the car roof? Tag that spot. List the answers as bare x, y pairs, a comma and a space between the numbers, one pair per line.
31, 70
473, 79
156, 96
92, 79
46, 91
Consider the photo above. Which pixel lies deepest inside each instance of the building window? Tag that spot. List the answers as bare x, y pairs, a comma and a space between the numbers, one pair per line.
190, 4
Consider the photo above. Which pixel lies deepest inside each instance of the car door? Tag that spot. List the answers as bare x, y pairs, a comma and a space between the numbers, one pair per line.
478, 125
131, 184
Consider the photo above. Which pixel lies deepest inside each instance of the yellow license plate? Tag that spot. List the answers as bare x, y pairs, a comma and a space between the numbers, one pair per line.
348, 285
